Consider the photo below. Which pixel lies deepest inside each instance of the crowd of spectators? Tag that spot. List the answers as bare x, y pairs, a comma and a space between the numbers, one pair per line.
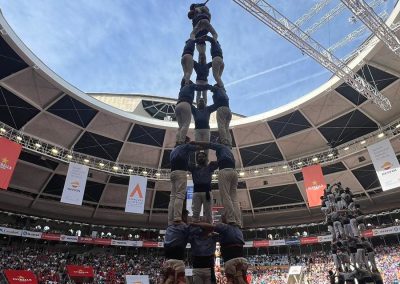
110, 267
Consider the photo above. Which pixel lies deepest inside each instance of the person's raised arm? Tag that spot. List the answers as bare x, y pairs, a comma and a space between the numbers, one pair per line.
212, 108
213, 166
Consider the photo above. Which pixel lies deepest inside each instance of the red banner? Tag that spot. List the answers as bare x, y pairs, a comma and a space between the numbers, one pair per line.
85, 240
261, 243
51, 237
368, 233
9, 153
80, 271
150, 244
20, 276
309, 240
104, 242
314, 183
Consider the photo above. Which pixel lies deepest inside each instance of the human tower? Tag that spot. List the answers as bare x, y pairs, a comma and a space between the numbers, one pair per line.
352, 253
203, 234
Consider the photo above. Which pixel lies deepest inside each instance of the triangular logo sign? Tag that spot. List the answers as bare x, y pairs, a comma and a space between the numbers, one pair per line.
136, 190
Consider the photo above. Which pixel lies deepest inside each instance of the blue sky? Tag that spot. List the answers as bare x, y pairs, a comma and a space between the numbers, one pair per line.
134, 46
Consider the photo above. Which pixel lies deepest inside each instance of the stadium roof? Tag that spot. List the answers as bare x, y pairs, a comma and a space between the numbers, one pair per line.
326, 125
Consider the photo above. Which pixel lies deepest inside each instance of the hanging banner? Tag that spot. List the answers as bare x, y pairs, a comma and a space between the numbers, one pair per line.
314, 183
9, 153
136, 195
386, 164
20, 277
75, 183
137, 279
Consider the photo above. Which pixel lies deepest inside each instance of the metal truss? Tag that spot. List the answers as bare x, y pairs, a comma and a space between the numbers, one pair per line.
313, 11
329, 156
369, 43
353, 35
284, 27
333, 13
368, 16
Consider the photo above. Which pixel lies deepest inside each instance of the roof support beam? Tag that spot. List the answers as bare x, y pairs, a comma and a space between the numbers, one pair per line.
370, 19
284, 27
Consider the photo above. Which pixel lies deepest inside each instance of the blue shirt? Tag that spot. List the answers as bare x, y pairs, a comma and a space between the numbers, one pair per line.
201, 245
202, 70
189, 47
186, 94
176, 236
220, 98
202, 177
179, 157
229, 234
202, 117
225, 157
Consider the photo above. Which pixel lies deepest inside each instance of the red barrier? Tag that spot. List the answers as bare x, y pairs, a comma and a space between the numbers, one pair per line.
51, 237
85, 240
80, 271
260, 243
150, 244
20, 276
309, 240
104, 242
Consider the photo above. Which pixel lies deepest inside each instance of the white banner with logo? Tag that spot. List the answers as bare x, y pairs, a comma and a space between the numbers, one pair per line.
136, 195
70, 239
137, 279
386, 231
295, 270
75, 183
248, 244
126, 243
10, 231
32, 235
386, 164
188, 272
276, 243
324, 239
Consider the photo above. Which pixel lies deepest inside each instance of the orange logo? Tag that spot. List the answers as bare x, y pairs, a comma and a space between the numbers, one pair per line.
4, 164
314, 182
386, 165
136, 190
75, 184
